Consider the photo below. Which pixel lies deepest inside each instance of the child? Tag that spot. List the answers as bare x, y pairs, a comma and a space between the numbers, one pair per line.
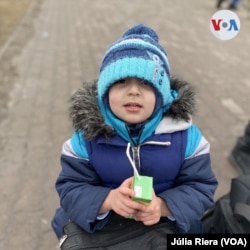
135, 105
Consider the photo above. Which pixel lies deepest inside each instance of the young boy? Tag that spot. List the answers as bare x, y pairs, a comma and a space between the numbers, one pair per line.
134, 106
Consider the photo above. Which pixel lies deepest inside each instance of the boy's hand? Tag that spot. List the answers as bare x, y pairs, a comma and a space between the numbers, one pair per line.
119, 200
151, 214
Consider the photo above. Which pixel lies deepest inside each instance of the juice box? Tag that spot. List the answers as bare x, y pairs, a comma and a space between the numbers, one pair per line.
143, 187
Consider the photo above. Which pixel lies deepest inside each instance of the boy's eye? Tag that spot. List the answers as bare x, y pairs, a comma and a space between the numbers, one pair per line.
139, 81
144, 82
121, 81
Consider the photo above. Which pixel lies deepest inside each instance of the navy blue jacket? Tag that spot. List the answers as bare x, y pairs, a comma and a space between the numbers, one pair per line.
176, 155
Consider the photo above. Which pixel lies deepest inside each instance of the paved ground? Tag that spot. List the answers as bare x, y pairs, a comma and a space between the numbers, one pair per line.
58, 45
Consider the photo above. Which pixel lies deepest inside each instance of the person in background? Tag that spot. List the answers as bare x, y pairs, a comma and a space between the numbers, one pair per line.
240, 154
136, 111
233, 5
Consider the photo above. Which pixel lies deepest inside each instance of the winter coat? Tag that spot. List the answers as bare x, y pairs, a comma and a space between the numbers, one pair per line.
94, 161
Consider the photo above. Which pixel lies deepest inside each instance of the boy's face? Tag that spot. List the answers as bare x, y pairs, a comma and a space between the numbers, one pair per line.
132, 100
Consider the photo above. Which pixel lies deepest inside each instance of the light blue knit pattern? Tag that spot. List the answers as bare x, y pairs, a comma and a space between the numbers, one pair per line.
129, 44
135, 67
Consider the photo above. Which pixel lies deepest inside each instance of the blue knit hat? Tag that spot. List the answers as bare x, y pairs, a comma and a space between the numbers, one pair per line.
137, 54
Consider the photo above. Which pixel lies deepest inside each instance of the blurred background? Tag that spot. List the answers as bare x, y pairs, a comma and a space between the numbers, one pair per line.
49, 47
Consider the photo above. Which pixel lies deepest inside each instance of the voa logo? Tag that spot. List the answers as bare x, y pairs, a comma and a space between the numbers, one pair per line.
225, 24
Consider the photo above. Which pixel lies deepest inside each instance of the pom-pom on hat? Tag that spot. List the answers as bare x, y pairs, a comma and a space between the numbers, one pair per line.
137, 54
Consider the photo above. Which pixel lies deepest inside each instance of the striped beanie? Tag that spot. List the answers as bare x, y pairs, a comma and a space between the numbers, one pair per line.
137, 54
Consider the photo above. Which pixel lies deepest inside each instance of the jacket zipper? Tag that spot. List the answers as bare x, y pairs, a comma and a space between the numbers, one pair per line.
136, 152
136, 157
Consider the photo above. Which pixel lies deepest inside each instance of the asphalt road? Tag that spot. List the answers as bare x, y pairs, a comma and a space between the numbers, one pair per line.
60, 44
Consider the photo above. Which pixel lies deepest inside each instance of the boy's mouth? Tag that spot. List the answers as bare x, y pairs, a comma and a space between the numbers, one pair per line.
133, 106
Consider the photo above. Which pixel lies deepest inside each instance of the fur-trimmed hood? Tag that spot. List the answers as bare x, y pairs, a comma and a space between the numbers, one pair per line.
86, 115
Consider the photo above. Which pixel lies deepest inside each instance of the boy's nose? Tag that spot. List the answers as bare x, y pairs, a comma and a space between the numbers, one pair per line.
134, 87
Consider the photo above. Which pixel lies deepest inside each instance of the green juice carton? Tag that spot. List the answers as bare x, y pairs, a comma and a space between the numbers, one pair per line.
143, 187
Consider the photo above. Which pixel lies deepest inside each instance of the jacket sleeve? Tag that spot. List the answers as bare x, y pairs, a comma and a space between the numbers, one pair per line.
193, 192
80, 191
194, 186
